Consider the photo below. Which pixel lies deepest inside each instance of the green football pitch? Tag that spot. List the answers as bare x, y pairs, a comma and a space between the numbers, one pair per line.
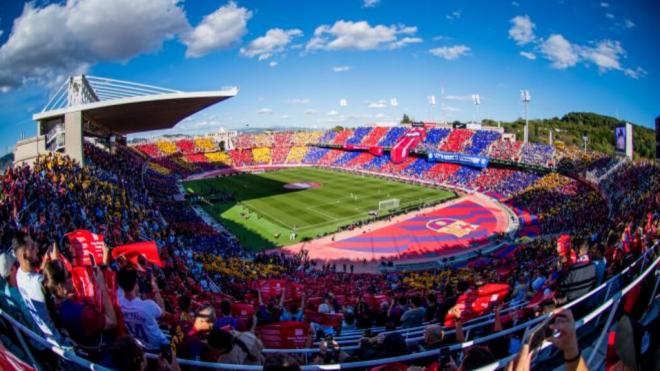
263, 213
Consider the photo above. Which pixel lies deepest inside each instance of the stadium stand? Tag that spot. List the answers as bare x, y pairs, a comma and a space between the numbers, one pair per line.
209, 290
480, 141
456, 140
358, 135
261, 155
392, 136
374, 136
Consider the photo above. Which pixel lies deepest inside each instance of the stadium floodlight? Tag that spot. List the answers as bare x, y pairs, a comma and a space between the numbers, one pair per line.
526, 98
476, 99
431, 99
343, 102
394, 102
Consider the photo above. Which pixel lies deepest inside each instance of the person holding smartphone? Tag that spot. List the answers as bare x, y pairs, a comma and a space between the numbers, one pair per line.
559, 330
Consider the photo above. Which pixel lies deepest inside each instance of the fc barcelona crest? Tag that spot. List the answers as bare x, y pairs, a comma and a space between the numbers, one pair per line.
451, 226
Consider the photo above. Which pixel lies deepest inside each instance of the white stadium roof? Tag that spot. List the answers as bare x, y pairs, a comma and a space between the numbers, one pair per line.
127, 107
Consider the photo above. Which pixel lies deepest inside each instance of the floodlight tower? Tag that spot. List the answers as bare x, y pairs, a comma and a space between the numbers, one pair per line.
526, 98
476, 99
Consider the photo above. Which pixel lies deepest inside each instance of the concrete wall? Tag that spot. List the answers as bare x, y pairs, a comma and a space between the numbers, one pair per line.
27, 150
73, 132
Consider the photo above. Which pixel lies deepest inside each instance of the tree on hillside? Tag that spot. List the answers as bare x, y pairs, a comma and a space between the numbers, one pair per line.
406, 119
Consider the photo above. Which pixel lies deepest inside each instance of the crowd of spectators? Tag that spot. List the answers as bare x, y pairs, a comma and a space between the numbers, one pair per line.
207, 299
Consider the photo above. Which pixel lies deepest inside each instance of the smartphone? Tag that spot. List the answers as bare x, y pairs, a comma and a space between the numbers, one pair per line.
166, 352
539, 333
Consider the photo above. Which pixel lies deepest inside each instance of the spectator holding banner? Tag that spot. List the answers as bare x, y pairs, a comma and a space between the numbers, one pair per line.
82, 321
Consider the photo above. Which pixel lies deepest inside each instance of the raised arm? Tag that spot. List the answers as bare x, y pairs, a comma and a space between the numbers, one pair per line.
157, 297
282, 298
497, 326
460, 337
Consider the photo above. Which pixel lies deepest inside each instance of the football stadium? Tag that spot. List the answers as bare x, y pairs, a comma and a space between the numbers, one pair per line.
136, 236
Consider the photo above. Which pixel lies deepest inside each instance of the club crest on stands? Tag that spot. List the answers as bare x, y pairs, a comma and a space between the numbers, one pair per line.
451, 226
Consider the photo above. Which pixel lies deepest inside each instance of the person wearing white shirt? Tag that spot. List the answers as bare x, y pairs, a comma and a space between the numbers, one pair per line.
140, 316
28, 282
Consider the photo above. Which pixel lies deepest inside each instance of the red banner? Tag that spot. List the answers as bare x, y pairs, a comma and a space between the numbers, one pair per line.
85, 286
332, 320
133, 251
87, 247
243, 314
271, 288
475, 303
284, 335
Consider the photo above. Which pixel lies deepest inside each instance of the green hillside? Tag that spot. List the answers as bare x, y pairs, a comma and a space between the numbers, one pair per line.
571, 127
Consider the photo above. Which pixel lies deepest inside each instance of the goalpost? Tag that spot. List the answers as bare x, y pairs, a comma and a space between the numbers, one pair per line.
386, 205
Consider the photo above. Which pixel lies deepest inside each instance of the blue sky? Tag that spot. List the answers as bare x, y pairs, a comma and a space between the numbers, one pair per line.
295, 60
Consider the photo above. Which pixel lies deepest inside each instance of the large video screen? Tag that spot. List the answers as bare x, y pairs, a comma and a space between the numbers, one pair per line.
620, 139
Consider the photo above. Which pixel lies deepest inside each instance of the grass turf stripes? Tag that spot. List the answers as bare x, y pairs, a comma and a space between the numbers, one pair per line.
264, 213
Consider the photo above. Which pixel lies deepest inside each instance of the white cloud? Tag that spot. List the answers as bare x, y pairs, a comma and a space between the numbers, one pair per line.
341, 68
272, 64
273, 42
441, 38
559, 51
515, 3
450, 52
609, 15
370, 3
522, 29
528, 55
349, 35
604, 5
456, 14
48, 43
218, 30
311, 111
284, 117
606, 55
628, 23
265, 111
298, 101
381, 103
333, 113
405, 41
459, 97
636, 73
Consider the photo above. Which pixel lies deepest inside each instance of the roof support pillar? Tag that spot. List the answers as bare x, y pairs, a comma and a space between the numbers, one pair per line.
73, 139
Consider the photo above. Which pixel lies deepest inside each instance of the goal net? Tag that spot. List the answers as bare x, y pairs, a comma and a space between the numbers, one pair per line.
385, 205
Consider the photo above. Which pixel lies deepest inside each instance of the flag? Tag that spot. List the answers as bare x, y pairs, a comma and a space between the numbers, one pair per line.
87, 247
133, 251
